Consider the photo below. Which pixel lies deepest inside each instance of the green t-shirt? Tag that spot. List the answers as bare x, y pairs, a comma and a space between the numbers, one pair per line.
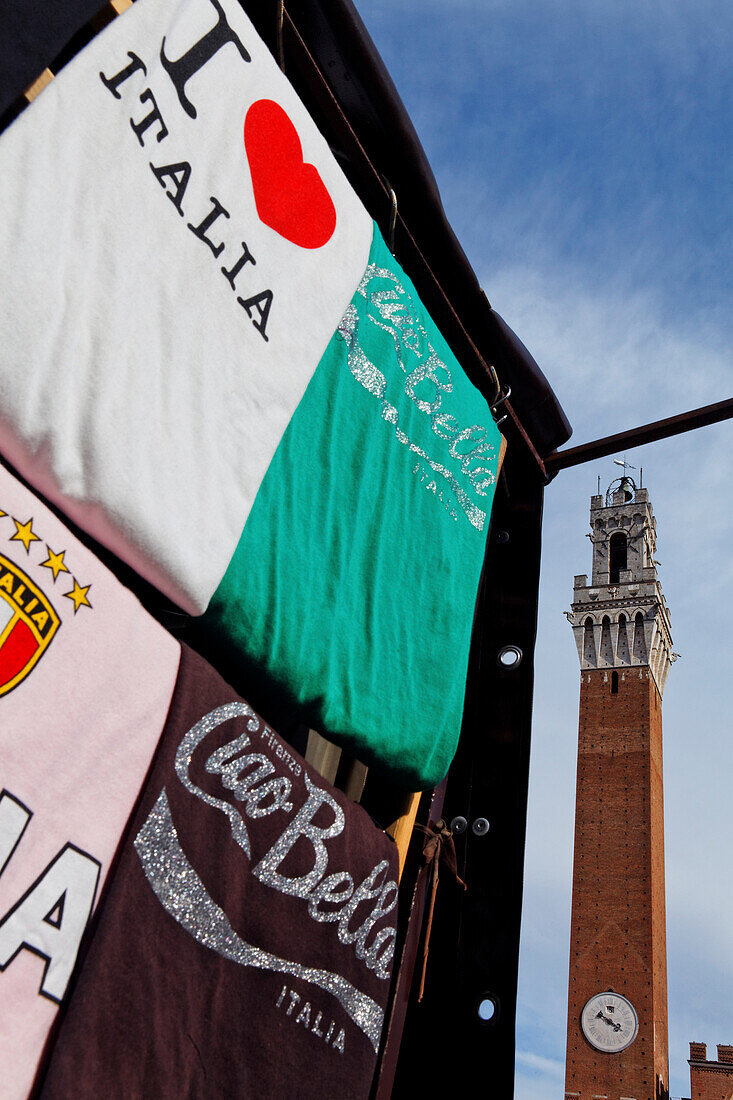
354, 582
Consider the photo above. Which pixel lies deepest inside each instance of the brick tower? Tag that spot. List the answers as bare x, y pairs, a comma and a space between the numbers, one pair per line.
617, 998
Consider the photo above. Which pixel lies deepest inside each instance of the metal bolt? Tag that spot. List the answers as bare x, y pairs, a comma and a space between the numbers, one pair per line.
458, 825
486, 1009
480, 826
510, 656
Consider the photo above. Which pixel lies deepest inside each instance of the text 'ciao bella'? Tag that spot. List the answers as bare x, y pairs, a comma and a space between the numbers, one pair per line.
174, 177
356, 909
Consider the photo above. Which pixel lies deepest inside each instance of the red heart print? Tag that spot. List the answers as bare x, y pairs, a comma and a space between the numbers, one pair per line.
290, 196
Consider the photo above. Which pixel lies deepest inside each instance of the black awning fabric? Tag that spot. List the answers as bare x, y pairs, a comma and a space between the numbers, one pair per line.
32, 34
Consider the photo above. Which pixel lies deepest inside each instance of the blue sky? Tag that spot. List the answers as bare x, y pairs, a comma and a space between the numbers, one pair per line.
582, 149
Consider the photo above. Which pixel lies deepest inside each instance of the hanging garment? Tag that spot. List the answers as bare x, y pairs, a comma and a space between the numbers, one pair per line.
213, 364
181, 245
355, 579
245, 945
86, 678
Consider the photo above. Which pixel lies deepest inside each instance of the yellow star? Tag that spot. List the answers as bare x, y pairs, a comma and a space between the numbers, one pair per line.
78, 595
55, 562
24, 533
2, 513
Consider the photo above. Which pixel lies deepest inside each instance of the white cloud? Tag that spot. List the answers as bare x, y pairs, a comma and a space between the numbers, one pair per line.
537, 1078
535, 1062
614, 358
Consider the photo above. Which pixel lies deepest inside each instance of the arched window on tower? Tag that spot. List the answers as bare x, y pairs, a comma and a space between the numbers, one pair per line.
614, 683
589, 645
640, 653
616, 556
622, 649
606, 643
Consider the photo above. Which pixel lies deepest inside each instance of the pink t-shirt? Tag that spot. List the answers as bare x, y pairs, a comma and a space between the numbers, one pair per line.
86, 678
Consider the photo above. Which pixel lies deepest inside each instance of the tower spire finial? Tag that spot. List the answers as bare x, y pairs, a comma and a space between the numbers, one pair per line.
626, 465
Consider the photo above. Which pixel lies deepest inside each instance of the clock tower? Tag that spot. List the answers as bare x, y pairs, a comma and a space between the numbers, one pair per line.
617, 997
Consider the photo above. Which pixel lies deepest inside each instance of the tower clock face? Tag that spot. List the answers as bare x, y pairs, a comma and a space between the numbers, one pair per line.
609, 1022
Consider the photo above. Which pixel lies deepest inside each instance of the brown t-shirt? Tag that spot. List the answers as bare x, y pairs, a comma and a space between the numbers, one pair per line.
245, 944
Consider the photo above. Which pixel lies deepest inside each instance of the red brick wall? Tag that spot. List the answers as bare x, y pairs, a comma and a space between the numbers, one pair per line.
711, 1080
618, 916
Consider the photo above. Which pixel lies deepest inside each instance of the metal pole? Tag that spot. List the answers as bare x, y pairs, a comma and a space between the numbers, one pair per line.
647, 433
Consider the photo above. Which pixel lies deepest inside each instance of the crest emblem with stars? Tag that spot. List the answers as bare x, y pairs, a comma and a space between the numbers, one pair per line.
28, 620
28, 623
